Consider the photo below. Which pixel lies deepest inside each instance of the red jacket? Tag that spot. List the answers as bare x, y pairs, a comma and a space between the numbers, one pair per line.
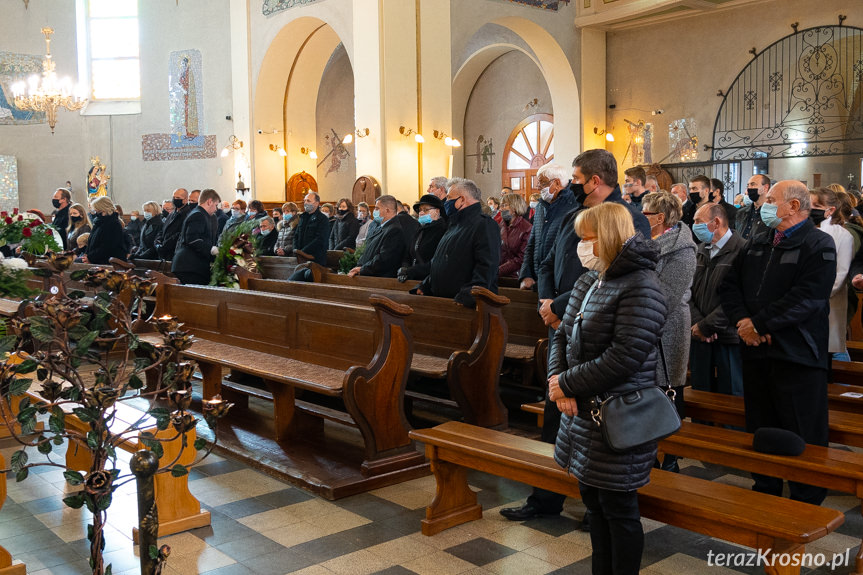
513, 240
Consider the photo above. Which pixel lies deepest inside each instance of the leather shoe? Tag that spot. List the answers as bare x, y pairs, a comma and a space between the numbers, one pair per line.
523, 513
585, 521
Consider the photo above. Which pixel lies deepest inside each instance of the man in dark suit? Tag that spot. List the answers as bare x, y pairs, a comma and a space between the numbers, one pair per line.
166, 242
312, 235
386, 247
197, 243
410, 227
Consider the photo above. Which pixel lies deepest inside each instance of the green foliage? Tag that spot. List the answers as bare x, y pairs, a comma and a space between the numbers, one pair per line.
228, 252
13, 282
349, 260
179, 470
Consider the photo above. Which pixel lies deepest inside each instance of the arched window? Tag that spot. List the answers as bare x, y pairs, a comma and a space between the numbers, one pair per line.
529, 147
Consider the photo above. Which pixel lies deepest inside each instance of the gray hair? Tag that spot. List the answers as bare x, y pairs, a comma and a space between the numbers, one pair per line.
553, 172
465, 185
439, 182
797, 191
679, 185
267, 219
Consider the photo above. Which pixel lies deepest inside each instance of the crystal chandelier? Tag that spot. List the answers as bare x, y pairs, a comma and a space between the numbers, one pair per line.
52, 93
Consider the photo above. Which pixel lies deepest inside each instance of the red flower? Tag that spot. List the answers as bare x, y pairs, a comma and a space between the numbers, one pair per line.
34, 223
3, 214
48, 232
8, 221
15, 211
20, 218
26, 232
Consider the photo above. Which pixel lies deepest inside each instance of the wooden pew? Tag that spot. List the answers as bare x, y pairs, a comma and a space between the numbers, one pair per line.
845, 428
277, 267
718, 510
452, 343
527, 340
357, 353
835, 469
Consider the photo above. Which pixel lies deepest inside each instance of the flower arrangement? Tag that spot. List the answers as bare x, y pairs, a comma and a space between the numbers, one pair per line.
350, 258
237, 248
13, 278
33, 235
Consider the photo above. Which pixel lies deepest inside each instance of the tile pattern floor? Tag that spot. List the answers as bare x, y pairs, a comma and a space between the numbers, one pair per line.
262, 525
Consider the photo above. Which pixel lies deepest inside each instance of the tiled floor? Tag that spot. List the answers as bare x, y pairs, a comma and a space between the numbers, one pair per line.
261, 525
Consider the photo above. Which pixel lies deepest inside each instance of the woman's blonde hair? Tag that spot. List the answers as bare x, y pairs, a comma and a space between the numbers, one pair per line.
612, 224
103, 205
664, 203
85, 218
515, 202
152, 207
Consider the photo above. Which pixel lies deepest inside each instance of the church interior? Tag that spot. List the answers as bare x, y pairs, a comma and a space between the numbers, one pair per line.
270, 99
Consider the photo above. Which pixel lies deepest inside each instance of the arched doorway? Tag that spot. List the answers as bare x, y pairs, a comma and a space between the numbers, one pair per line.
529, 147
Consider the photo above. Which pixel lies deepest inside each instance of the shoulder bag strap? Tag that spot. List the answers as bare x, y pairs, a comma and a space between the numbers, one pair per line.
580, 315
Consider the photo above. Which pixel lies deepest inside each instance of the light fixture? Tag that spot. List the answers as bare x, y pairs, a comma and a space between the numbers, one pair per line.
234, 144
309, 152
360, 134
279, 150
609, 137
51, 93
408, 131
451, 142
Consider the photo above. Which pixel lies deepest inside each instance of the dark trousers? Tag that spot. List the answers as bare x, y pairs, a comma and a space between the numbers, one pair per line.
788, 396
548, 502
716, 367
193, 278
616, 534
302, 275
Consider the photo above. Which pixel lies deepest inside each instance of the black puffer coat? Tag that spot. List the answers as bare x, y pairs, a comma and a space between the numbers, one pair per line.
619, 336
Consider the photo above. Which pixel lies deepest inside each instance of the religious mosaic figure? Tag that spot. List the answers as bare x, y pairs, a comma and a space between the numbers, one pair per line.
190, 101
337, 153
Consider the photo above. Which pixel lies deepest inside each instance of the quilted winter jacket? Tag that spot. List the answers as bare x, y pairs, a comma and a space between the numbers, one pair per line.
618, 336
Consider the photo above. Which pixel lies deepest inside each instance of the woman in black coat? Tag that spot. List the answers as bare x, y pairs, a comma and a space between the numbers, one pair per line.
146, 249
345, 227
614, 350
433, 226
106, 240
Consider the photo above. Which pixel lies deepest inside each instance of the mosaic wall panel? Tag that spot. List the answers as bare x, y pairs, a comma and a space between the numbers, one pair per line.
545, 4
270, 7
186, 141
186, 94
165, 147
8, 183
13, 68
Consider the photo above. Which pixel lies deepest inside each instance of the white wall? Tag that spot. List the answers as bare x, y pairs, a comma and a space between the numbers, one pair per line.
335, 110
46, 161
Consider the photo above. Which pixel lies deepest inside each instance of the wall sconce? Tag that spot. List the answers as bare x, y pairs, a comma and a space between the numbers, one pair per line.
234, 144
279, 150
360, 134
609, 137
408, 131
309, 152
451, 142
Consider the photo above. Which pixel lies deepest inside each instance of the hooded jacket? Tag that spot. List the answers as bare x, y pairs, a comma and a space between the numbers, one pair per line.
613, 351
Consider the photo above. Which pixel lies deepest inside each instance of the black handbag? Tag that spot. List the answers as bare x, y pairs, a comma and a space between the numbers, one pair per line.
634, 418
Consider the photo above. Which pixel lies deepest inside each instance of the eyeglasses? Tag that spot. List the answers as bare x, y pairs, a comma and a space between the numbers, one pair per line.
650, 213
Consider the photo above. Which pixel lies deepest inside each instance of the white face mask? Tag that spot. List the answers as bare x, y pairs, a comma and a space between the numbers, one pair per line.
585, 254
546, 194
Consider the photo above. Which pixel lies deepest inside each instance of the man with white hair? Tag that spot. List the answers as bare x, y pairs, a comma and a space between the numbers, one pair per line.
777, 294
556, 200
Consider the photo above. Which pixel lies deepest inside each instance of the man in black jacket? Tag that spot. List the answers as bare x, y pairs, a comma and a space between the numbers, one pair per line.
749, 217
777, 294
60, 201
594, 181
410, 226
557, 200
717, 195
468, 253
386, 247
166, 242
714, 354
312, 235
197, 244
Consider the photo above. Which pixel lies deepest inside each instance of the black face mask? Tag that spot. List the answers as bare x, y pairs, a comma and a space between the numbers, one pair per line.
56, 203
753, 194
193, 204
343, 212
76, 219
695, 197
164, 213
817, 216
636, 200
178, 202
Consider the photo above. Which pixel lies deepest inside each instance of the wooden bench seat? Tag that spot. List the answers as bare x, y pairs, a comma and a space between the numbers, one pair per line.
359, 353
730, 513
835, 469
525, 327
845, 428
462, 346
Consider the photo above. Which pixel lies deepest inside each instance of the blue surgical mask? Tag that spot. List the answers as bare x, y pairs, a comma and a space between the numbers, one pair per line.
377, 217
769, 217
747, 201
449, 207
265, 232
533, 205
425, 219
546, 195
252, 213
133, 218
287, 217
237, 213
702, 233
147, 215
